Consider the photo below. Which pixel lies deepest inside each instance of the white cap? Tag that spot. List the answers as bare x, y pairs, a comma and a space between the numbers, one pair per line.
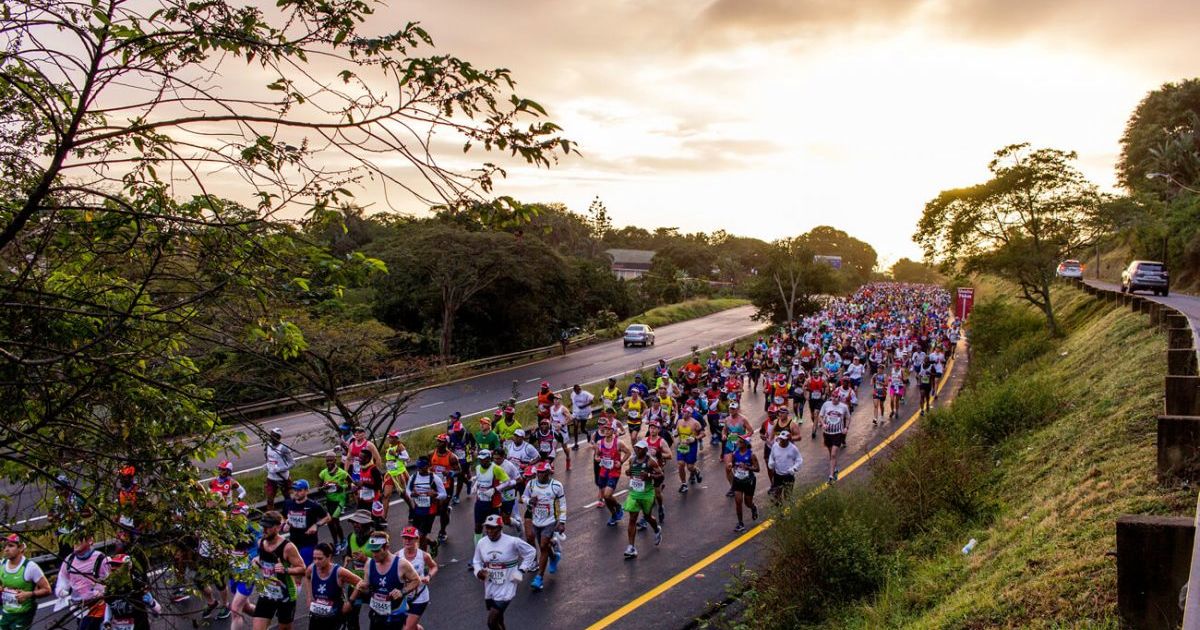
276, 431
484, 453
493, 521
520, 432
783, 435
642, 444
734, 405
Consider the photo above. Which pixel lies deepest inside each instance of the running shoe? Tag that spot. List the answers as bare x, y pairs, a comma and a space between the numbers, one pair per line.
683, 488
754, 513
552, 565
662, 515
575, 447
536, 583
441, 538
208, 611
225, 613
730, 493
642, 524
699, 477
739, 528
455, 500
631, 552
658, 536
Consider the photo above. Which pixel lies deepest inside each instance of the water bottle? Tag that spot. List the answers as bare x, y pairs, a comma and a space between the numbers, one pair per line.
969, 546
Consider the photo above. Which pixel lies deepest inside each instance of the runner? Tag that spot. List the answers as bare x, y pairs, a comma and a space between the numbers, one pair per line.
642, 471
543, 439
879, 394
660, 451
498, 562
335, 481
304, 517
245, 549
357, 445
486, 438
390, 581
896, 383
224, 485
925, 386
446, 464
581, 406
610, 454
367, 485
508, 495
395, 462
544, 398
356, 558
23, 582
128, 601
635, 407
610, 398
426, 568
506, 426
279, 465
736, 426
784, 460
460, 444
560, 421
278, 563
835, 421
686, 449
743, 463
816, 387
327, 605
81, 577
546, 515
491, 480
426, 492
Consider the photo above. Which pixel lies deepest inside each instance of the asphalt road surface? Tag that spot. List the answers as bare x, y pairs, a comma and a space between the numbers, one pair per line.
594, 579
1187, 304
309, 433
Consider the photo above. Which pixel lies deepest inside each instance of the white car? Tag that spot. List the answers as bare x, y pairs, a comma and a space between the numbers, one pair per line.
1070, 269
639, 334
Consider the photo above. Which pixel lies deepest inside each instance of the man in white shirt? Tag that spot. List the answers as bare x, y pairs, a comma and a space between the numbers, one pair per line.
784, 460
500, 562
279, 467
581, 404
835, 421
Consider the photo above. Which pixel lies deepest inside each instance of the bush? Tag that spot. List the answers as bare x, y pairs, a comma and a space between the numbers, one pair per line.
995, 409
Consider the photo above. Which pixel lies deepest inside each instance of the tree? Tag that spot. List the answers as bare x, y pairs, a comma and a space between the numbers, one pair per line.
1163, 136
908, 270
599, 222
119, 267
858, 257
1034, 210
787, 286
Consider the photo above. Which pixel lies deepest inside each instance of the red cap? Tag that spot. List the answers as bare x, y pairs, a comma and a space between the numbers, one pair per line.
128, 471
410, 532
544, 466
442, 437
225, 465
546, 384
394, 434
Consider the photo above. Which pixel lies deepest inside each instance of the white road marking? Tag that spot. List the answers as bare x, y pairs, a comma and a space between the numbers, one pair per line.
536, 378
442, 402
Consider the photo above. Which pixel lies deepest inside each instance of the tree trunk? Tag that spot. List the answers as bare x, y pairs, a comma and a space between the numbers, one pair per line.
1048, 309
448, 311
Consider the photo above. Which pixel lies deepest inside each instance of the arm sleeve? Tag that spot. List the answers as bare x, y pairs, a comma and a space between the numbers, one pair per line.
528, 555
561, 499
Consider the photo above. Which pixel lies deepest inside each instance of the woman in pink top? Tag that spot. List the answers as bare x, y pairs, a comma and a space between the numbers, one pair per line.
81, 577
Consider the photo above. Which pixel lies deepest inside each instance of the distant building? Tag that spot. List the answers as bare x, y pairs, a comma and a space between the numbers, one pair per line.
832, 261
628, 264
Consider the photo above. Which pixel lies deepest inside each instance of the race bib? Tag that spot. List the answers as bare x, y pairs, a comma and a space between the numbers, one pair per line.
546, 447
356, 468
683, 446
297, 520
422, 501
497, 574
267, 569
460, 453
541, 513
10, 599
273, 591
634, 414
366, 494
321, 608
817, 395
606, 462
637, 485
393, 465
778, 400
381, 605
740, 473
122, 624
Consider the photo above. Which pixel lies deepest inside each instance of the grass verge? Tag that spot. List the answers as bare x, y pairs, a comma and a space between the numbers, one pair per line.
678, 312
1050, 441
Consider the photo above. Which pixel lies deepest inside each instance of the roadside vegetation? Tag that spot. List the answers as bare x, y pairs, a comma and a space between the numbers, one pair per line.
1049, 441
675, 313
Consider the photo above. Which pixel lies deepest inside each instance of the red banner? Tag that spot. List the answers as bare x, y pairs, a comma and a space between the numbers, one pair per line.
966, 299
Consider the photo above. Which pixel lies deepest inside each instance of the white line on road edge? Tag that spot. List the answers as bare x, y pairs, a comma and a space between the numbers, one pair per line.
440, 402
536, 378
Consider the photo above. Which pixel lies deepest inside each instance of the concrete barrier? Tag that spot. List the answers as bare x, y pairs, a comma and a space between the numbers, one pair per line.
1154, 556
1181, 362
1156, 314
1182, 398
1177, 319
1146, 306
1178, 338
1178, 449
1135, 303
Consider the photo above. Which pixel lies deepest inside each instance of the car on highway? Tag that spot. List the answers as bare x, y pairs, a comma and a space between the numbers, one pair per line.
1070, 269
1145, 275
639, 334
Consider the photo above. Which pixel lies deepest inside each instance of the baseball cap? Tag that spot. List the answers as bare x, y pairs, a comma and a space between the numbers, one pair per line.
270, 519
783, 435
300, 484
359, 516
545, 383
520, 432
278, 431
543, 466
734, 405
642, 444
394, 434
493, 521
241, 508
410, 532
12, 538
485, 453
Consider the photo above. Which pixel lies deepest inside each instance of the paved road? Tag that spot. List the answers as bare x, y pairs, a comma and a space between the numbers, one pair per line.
1187, 304
307, 432
594, 580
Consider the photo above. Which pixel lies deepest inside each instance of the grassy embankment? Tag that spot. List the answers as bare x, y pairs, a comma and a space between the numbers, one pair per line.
678, 312
1048, 443
422, 440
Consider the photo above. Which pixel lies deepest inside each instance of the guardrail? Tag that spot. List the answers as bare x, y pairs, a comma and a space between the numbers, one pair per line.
281, 405
1158, 557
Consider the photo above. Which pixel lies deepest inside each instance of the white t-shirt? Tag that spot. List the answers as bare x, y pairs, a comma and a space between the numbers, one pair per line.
33, 573
548, 502
502, 558
833, 417
582, 402
521, 455
558, 416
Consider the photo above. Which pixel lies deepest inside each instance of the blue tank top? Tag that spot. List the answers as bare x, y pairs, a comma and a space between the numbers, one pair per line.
325, 595
381, 585
742, 459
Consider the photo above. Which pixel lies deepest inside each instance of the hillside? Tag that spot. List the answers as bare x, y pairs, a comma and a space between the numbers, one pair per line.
1049, 442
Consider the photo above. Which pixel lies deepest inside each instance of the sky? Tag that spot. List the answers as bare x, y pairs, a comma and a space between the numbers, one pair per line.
766, 118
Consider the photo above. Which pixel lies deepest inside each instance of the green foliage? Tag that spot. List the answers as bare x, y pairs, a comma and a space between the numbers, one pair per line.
787, 286
907, 270
858, 257
1163, 136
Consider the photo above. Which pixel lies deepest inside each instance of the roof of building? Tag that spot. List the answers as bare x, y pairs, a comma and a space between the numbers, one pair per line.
630, 256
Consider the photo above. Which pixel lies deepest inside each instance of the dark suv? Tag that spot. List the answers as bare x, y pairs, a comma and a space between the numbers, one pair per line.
1145, 275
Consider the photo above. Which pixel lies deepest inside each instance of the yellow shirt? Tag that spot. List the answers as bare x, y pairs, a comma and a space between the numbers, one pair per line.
635, 409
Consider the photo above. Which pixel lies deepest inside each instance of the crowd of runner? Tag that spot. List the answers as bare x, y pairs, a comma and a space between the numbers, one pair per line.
880, 342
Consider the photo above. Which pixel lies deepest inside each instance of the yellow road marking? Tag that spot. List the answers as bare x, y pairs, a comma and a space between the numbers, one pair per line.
621, 612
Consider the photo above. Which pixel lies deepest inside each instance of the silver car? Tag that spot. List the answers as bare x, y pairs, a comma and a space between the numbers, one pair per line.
639, 334
1145, 275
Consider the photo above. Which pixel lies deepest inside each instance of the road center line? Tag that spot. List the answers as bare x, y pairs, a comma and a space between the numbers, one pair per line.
442, 402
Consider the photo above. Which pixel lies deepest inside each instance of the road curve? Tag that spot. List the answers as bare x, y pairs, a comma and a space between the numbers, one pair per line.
1189, 305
